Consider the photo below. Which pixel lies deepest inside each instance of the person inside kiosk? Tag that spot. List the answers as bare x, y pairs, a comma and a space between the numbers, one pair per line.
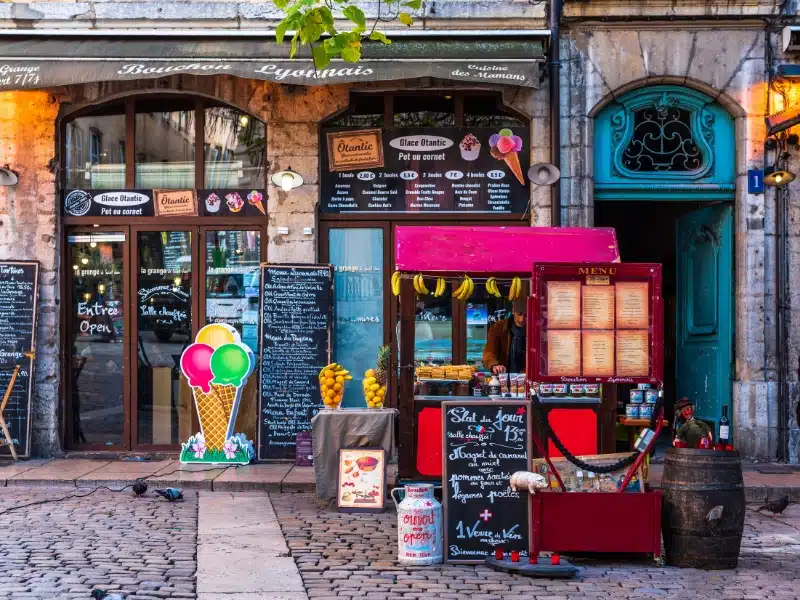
505, 342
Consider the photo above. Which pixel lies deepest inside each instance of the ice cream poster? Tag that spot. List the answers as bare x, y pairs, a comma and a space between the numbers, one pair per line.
233, 202
427, 169
216, 367
362, 480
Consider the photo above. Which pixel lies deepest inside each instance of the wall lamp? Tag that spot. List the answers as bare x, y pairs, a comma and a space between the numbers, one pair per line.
287, 180
8, 177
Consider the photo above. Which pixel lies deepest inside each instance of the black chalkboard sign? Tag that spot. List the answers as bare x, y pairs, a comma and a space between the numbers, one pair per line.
296, 320
485, 442
19, 286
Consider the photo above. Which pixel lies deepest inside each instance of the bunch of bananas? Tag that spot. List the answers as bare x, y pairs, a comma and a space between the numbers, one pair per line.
331, 384
516, 289
466, 289
491, 287
419, 285
441, 285
396, 283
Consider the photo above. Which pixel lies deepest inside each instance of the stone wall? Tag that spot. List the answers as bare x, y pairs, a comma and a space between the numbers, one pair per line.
727, 63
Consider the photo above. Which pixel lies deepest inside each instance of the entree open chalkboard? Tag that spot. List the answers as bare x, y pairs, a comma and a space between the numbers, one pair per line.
296, 320
485, 442
19, 282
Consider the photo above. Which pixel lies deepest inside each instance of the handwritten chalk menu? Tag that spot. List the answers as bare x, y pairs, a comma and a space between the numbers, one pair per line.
19, 291
484, 444
434, 170
296, 318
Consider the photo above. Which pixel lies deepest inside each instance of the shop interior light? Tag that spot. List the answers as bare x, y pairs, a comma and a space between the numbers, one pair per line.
287, 180
92, 244
75, 267
84, 261
244, 120
178, 281
101, 289
779, 178
8, 177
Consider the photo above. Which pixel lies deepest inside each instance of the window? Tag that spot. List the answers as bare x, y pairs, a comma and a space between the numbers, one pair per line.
165, 133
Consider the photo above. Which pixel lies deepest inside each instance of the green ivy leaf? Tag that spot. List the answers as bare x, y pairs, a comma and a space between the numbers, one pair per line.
327, 19
280, 4
294, 45
405, 18
379, 37
414, 4
356, 15
352, 52
320, 55
281, 29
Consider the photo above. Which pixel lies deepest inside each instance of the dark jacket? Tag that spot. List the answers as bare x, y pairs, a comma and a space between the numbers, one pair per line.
498, 343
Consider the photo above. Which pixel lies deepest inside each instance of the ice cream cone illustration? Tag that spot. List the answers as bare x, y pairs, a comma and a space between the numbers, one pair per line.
255, 198
217, 366
506, 146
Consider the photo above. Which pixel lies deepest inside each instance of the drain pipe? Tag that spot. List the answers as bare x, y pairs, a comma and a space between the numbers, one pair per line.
555, 108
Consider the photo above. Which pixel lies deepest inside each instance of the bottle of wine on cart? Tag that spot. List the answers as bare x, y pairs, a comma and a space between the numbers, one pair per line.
724, 427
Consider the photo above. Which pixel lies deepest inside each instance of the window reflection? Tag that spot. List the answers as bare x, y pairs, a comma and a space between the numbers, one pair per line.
433, 331
233, 146
97, 328
165, 145
95, 152
484, 310
164, 317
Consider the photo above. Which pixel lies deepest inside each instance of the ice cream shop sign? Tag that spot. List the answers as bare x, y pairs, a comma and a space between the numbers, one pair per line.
430, 170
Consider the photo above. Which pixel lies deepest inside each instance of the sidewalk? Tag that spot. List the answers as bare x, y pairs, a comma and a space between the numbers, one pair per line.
761, 480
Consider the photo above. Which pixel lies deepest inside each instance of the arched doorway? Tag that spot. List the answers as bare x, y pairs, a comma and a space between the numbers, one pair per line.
665, 179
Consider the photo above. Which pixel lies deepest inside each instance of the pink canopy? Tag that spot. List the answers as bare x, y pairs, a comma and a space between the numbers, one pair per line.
500, 249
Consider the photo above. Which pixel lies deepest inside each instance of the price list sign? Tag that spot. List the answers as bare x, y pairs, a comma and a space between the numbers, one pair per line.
18, 311
296, 317
484, 444
426, 170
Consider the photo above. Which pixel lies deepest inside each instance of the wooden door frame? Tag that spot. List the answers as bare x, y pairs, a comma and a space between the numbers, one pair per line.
68, 409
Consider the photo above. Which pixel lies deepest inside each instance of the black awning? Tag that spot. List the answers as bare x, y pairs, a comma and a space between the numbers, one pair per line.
29, 62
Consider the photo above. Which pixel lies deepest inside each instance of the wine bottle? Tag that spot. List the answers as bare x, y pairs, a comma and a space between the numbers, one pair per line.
724, 427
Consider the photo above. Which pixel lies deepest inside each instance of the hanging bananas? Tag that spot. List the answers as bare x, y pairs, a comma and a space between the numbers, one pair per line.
466, 289
419, 285
516, 289
396, 283
491, 287
441, 284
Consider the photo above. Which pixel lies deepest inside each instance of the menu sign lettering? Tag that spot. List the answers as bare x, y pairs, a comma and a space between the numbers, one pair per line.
296, 317
18, 312
348, 150
175, 203
428, 170
108, 203
484, 444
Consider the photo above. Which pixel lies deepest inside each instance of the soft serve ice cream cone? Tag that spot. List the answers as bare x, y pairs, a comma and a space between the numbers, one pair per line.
506, 146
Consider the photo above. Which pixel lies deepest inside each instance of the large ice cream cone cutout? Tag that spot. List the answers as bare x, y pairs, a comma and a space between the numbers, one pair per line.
506, 146
217, 366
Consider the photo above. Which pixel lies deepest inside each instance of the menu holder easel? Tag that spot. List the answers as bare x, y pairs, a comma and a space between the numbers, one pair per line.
6, 396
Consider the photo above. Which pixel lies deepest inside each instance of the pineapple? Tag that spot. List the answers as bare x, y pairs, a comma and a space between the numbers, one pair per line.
382, 370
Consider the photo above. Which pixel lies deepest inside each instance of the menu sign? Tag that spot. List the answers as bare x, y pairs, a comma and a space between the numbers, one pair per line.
172, 203
427, 170
596, 323
349, 150
296, 317
18, 311
484, 444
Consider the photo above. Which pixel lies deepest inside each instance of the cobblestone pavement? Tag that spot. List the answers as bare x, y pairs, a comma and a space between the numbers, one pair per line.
144, 547
353, 556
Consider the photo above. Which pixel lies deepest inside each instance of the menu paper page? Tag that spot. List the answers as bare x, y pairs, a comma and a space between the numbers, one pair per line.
598, 307
598, 353
632, 305
633, 357
563, 304
564, 353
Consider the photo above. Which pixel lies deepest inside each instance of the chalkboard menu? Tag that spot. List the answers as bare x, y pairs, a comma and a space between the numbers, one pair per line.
296, 317
19, 291
485, 442
427, 170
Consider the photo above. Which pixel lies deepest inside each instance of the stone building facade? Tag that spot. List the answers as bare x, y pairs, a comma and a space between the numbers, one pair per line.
610, 51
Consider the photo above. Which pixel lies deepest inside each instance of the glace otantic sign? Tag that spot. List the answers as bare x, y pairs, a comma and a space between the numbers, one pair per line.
433, 170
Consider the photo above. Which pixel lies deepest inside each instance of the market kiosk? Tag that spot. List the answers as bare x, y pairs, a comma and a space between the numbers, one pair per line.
480, 253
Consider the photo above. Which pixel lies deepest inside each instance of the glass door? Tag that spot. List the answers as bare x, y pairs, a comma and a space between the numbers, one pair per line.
164, 305
96, 325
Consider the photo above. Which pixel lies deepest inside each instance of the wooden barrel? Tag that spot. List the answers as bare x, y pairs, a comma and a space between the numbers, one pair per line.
693, 484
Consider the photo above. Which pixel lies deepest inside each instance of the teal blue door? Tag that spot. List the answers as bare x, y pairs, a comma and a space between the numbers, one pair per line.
704, 349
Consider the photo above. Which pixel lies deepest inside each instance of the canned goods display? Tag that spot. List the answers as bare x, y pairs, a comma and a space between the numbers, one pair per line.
645, 411
576, 389
632, 411
637, 396
559, 389
545, 389
591, 389
651, 396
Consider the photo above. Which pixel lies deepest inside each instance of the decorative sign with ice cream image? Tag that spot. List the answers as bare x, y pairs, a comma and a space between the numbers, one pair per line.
233, 202
434, 170
217, 366
362, 480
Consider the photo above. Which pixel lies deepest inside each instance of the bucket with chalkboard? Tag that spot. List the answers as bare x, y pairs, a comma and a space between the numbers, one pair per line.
419, 526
